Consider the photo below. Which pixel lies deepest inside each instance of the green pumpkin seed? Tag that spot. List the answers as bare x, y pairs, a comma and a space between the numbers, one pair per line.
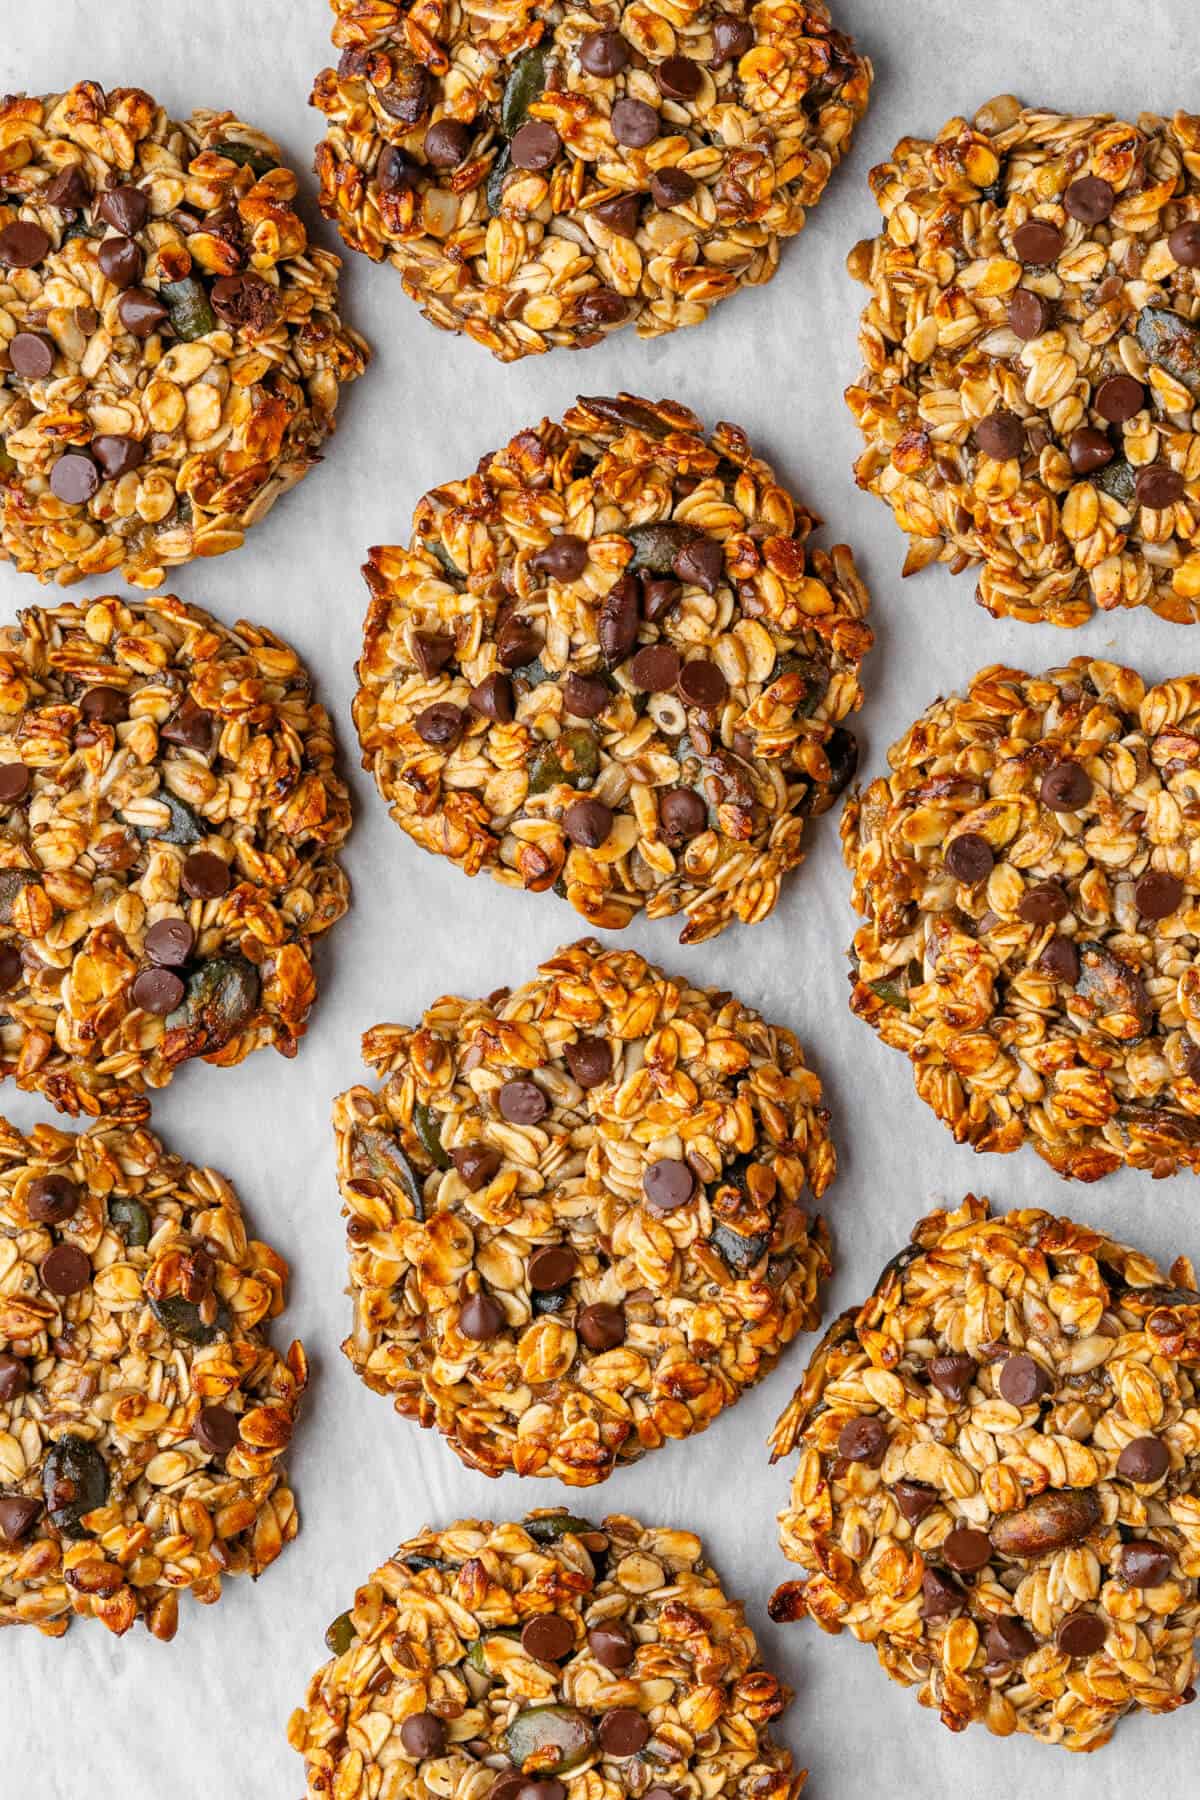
74, 1482
549, 1740
221, 999
475, 1655
182, 1319
427, 1128
814, 675
387, 1162
572, 759
247, 157
555, 1526
183, 827
1116, 479
655, 547
11, 883
439, 552
187, 302
887, 990
340, 1635
427, 1562
130, 1218
522, 88
495, 180
8, 464
1171, 342
738, 1253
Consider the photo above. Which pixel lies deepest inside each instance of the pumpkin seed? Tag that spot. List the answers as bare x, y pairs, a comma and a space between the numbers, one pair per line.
340, 1635
573, 759
549, 1740
130, 1218
887, 990
386, 1161
475, 1655
495, 180
1171, 342
74, 1482
655, 547
425, 1124
182, 1319
555, 1526
526, 82
221, 999
738, 1253
814, 675
1116, 479
188, 304
247, 157
11, 883
183, 827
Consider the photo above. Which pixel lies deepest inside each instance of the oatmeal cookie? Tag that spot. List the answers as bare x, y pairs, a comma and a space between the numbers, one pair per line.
549, 1660
142, 1410
998, 1478
543, 174
610, 664
170, 346
576, 1219
170, 819
1030, 879
1030, 397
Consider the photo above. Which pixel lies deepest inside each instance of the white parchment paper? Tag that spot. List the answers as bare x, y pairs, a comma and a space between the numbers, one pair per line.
94, 1718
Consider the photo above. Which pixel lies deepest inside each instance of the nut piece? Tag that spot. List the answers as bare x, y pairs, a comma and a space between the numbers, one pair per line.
1039, 270
1008, 1560
537, 1308
175, 353
1057, 1000
668, 1657
677, 677
144, 1409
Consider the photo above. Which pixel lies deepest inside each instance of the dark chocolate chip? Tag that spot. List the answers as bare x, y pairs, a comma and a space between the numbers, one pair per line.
702, 561
1008, 1641
590, 1061
440, 724
216, 1430
966, 1549
551, 1267
117, 455
170, 942
535, 146
634, 124
672, 187
158, 991
1090, 200
493, 697
1000, 436
623, 1732
1089, 450
952, 1375
31, 354
423, 1734
548, 1638
1081, 1634
52, 1199
1144, 1564
448, 143
588, 823
65, 1270
1158, 894
655, 669
74, 478
1060, 959
1144, 1460
1044, 904
1038, 241
121, 261
969, 858
125, 208
23, 244
863, 1440
612, 1645
522, 1102
14, 782
141, 312
679, 78
565, 557
1158, 486
603, 53
1119, 398
1066, 787
1023, 1381
585, 696
205, 876
480, 1318
477, 1164
1028, 313
601, 1326
668, 1185
683, 815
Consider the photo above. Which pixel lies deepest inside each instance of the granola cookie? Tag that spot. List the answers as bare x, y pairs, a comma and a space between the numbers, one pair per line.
1030, 397
170, 819
576, 1220
549, 1660
541, 174
609, 664
142, 1409
170, 346
1030, 882
998, 1478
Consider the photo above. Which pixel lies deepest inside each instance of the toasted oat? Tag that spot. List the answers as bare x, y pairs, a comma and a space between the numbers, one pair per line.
1031, 355
542, 175
170, 819
575, 1211
142, 1410
170, 346
609, 664
552, 1659
1030, 882
997, 1481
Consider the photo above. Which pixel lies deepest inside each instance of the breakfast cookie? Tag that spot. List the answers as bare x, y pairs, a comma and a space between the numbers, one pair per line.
1031, 351
610, 664
170, 346
550, 1660
542, 175
998, 1481
577, 1220
1030, 881
142, 1410
170, 818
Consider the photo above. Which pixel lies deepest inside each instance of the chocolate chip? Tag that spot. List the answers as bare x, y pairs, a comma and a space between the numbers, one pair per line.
1023, 1381
170, 942
14, 1377
683, 815
448, 143
117, 455
141, 312
480, 1318
1184, 244
535, 145
953, 1375
1144, 1459
602, 307
52, 1199
620, 214
121, 261
672, 187
940, 1597
157, 991
655, 669
522, 1102
190, 726
660, 596
551, 1267
23, 244
603, 53
1028, 313
31, 354
548, 1638
1038, 241
634, 124
1119, 398
565, 557
477, 1164
1158, 894
14, 782
74, 478
732, 38
588, 823
1158, 486
11, 967
17, 1513
1009, 1641
205, 876
512, 1784
517, 643
493, 697
1144, 1564
590, 1061
702, 684
1090, 200
966, 1549
701, 560
601, 1326
915, 1499
679, 78
69, 190
536, 1790
863, 1440
969, 858
423, 1734
396, 170
1066, 787
623, 1732
1000, 436
1060, 959
1081, 1634
125, 208
617, 626
65, 1270
432, 650
668, 1185
216, 1430
612, 1645
1044, 904
1089, 450
585, 696
245, 302
105, 705
440, 724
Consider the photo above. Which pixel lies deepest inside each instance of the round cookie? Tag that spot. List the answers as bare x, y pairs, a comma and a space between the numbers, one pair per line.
576, 1213
1032, 910
1031, 354
544, 176
143, 1411
610, 664
170, 818
170, 346
548, 1660
997, 1477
